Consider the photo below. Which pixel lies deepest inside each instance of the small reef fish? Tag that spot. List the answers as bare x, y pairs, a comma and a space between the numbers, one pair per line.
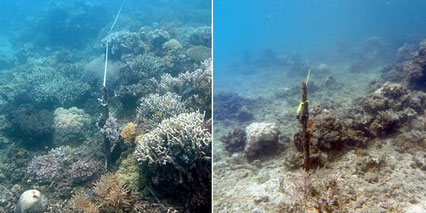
159, 114
187, 90
179, 127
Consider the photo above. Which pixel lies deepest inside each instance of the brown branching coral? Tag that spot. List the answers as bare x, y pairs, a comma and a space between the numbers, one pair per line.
128, 132
111, 195
83, 203
113, 192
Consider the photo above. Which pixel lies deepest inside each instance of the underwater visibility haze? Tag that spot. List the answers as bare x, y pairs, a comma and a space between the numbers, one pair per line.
140, 141
354, 140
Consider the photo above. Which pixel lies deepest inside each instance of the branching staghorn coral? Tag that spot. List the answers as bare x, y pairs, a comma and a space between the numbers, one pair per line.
176, 158
184, 132
155, 108
194, 87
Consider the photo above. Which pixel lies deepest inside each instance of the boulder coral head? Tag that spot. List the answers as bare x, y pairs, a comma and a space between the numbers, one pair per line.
262, 139
31, 201
70, 124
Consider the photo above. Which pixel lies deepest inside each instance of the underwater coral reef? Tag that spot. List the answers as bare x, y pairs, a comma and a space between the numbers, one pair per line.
366, 147
157, 92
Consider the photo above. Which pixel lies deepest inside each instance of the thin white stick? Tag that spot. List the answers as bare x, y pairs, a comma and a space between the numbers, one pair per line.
106, 63
116, 17
106, 48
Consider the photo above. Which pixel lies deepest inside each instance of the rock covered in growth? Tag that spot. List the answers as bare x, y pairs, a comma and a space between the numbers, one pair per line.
412, 70
234, 141
380, 113
386, 109
176, 157
231, 106
198, 53
31, 201
328, 132
261, 138
30, 121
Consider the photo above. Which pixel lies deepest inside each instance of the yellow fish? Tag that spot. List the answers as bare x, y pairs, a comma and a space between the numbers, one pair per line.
20, 153
159, 114
179, 127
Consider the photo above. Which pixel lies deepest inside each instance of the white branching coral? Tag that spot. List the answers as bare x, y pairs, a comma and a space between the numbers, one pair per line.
194, 86
178, 141
175, 158
155, 108
200, 79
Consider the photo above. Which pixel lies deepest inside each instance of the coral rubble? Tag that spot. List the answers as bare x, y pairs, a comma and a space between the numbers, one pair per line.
231, 106
234, 141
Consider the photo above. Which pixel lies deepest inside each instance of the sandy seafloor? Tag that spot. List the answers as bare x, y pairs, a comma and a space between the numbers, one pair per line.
241, 187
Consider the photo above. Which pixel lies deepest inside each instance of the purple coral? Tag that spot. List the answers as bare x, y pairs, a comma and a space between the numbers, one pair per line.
83, 170
45, 168
110, 130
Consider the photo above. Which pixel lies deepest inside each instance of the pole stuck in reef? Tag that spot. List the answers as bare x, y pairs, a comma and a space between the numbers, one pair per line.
104, 95
303, 119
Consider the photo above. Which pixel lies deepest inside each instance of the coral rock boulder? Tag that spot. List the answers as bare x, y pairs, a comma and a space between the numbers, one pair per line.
31, 201
262, 139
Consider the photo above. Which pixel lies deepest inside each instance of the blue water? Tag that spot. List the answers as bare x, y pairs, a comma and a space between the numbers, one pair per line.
309, 27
